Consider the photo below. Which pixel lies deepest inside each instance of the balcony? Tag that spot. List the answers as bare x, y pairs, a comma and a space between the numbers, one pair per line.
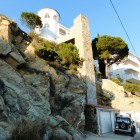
132, 78
131, 67
133, 59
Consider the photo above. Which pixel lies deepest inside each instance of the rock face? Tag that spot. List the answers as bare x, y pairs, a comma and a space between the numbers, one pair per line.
9, 37
68, 99
19, 100
111, 94
31, 90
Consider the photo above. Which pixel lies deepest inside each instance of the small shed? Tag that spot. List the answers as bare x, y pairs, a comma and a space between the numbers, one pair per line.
105, 118
100, 119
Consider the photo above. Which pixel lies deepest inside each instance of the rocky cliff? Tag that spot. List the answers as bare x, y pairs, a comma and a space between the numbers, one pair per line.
33, 91
114, 95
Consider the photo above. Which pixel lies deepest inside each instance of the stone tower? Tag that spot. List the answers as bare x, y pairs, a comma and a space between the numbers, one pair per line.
80, 35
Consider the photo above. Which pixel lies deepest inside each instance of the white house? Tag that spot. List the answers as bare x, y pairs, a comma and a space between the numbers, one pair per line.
128, 70
51, 29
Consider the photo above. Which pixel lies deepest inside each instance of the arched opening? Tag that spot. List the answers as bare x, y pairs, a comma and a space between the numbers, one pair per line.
46, 25
55, 17
47, 15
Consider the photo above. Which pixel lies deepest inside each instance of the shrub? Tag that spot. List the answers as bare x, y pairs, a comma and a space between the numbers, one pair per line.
34, 35
116, 80
69, 54
64, 54
46, 53
29, 130
132, 87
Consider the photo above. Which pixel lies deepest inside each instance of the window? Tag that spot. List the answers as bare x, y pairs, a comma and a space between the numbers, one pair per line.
47, 15
62, 32
125, 120
46, 25
55, 17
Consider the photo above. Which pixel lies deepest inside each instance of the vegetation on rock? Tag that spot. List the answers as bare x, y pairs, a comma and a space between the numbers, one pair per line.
63, 54
29, 130
116, 80
134, 88
69, 54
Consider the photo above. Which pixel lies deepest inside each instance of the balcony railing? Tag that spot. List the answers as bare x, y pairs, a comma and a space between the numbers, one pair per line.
134, 59
130, 66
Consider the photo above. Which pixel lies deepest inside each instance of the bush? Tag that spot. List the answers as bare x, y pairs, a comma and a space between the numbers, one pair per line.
29, 130
64, 54
69, 54
116, 80
34, 35
132, 87
46, 53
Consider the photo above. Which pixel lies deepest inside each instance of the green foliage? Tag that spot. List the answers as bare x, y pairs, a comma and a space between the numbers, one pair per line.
63, 55
132, 87
31, 20
34, 35
69, 54
98, 75
46, 53
45, 49
110, 48
116, 80
29, 130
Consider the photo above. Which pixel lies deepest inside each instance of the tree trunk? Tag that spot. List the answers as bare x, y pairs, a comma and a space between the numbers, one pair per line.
106, 69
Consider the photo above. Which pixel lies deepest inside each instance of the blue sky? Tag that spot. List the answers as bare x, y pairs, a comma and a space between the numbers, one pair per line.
100, 13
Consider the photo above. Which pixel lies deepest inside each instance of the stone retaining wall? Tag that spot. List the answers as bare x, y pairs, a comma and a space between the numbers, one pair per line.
91, 119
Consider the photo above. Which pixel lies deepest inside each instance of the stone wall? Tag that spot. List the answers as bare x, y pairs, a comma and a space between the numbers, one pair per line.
4, 28
80, 33
8, 51
91, 124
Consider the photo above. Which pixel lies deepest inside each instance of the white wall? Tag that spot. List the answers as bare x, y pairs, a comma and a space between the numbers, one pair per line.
125, 70
51, 26
50, 19
60, 26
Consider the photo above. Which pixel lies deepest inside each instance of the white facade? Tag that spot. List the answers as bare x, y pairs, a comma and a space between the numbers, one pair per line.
128, 70
51, 29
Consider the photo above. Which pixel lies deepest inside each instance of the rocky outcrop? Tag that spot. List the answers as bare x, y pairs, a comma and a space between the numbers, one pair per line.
111, 94
31, 90
12, 38
19, 100
69, 100
67, 91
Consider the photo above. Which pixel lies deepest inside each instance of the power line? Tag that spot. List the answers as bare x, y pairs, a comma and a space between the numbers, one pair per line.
123, 26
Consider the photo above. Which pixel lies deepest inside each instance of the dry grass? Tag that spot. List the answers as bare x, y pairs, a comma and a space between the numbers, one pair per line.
29, 130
